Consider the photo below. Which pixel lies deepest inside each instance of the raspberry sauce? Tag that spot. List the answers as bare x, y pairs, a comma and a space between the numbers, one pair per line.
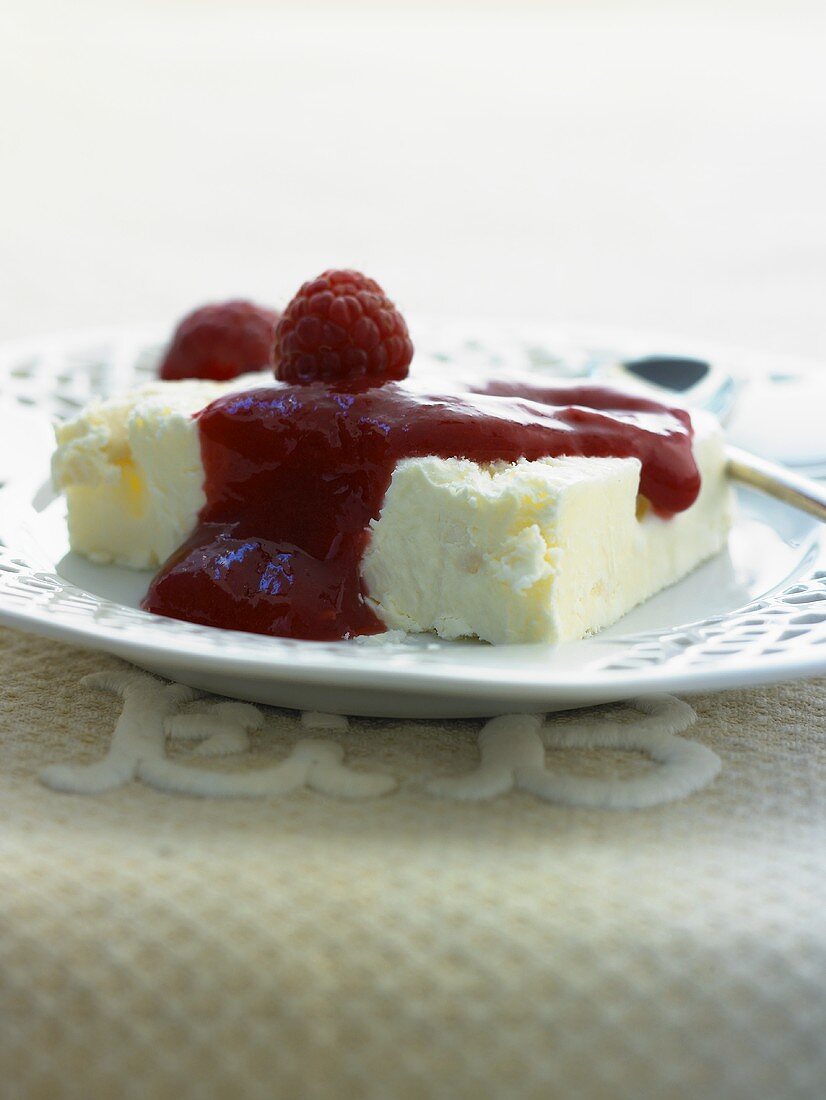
295, 474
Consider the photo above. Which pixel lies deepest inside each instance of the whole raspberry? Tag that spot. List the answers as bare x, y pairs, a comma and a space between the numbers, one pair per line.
341, 327
220, 342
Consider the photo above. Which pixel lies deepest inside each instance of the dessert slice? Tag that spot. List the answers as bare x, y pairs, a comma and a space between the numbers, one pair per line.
342, 498
527, 551
543, 551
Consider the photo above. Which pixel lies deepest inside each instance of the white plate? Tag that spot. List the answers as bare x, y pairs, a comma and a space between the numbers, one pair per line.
753, 615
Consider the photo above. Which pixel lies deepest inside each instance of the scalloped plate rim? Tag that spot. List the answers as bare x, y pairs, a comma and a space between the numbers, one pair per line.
349, 668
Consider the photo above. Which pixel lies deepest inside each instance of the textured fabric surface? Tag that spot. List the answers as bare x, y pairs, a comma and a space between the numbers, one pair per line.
407, 946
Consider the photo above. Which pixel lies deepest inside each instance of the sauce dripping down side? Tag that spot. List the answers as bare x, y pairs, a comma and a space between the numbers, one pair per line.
295, 474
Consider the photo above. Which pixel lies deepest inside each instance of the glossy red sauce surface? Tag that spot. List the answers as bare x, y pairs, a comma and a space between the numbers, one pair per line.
295, 474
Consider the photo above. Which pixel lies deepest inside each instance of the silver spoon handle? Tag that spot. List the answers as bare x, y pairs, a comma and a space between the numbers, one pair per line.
777, 481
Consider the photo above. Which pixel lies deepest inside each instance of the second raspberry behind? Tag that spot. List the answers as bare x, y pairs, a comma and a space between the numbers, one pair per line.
341, 327
220, 342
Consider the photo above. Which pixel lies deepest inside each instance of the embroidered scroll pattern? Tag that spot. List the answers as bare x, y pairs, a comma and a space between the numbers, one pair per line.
514, 753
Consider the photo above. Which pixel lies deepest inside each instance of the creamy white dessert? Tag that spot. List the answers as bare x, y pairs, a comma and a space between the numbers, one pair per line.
543, 551
540, 551
131, 470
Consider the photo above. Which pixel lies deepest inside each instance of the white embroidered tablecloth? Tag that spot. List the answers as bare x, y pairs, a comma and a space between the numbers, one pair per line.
409, 945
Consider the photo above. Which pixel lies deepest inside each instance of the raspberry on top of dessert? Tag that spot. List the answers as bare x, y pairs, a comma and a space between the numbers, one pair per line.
341, 327
342, 498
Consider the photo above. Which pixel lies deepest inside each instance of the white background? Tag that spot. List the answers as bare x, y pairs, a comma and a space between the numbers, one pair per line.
655, 165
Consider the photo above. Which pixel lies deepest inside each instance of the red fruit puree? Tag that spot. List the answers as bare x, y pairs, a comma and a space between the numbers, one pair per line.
295, 474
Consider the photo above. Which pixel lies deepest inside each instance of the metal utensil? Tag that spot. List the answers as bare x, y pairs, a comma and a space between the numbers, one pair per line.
778, 481
669, 377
